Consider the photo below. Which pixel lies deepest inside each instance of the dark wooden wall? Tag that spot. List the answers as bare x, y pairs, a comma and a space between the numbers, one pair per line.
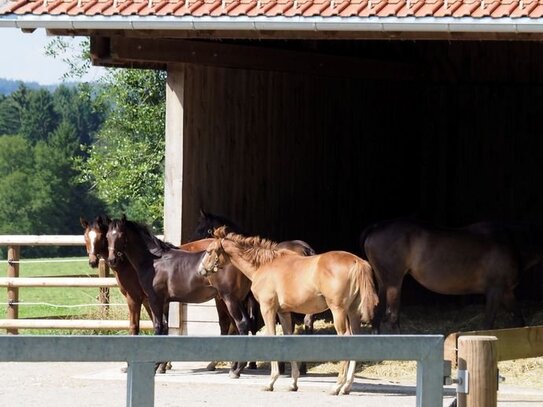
293, 156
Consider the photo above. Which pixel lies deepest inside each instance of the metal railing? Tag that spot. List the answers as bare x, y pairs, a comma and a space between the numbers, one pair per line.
142, 352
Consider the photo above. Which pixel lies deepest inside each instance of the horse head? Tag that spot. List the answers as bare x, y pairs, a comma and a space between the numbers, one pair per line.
116, 240
95, 238
208, 222
214, 259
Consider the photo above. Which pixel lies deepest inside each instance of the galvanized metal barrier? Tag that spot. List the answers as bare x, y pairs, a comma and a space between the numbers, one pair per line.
141, 353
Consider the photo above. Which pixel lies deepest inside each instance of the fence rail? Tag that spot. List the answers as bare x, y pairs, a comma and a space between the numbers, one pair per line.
13, 282
142, 352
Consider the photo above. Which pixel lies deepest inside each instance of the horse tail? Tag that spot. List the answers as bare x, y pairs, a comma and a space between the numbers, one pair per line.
362, 240
366, 290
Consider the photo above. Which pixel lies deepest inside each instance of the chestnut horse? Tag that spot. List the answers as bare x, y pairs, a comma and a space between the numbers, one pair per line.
446, 261
284, 282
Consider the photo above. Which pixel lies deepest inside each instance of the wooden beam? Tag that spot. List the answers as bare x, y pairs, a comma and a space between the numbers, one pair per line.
513, 343
166, 51
303, 35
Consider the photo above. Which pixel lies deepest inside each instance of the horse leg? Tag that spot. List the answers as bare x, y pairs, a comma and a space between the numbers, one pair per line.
494, 296
286, 323
224, 325
354, 322
341, 326
239, 315
393, 297
379, 312
269, 316
253, 312
511, 305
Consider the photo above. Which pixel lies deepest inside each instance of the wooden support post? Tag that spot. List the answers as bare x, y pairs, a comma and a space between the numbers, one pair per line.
14, 254
103, 271
173, 176
477, 355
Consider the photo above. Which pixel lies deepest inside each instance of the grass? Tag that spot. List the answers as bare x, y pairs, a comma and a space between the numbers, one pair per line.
63, 302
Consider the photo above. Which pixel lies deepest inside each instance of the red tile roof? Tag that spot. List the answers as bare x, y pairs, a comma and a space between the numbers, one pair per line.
493, 9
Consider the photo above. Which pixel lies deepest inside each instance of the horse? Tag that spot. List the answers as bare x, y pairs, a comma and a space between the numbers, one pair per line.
96, 246
167, 273
208, 222
284, 282
129, 285
443, 260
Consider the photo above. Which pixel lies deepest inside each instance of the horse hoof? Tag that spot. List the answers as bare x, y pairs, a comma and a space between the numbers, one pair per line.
267, 388
252, 365
333, 391
169, 366
211, 367
233, 375
293, 388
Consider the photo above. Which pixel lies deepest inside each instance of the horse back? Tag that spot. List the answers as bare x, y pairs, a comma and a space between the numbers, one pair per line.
448, 261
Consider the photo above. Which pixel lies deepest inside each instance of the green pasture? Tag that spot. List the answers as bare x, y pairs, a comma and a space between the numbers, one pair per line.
61, 302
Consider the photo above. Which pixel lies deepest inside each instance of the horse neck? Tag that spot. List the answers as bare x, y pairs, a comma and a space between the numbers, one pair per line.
136, 251
247, 267
250, 258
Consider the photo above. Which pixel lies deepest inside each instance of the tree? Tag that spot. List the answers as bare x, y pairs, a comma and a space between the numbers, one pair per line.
38, 117
126, 162
16, 166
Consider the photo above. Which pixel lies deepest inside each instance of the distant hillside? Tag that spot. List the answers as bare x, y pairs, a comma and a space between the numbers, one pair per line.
8, 86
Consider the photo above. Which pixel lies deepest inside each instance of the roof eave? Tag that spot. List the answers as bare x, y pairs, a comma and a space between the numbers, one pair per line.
244, 23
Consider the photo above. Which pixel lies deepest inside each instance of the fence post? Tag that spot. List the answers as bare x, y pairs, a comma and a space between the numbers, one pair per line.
13, 292
477, 355
103, 271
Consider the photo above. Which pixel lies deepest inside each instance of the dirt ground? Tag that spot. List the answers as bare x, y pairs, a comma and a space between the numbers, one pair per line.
104, 385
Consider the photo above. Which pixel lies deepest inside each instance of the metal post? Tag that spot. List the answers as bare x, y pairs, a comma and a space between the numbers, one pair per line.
430, 378
13, 292
140, 384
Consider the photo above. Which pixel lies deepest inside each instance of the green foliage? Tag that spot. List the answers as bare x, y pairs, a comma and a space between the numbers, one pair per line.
126, 162
39, 191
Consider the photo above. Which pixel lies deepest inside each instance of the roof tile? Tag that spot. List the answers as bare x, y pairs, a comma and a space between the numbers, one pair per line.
288, 8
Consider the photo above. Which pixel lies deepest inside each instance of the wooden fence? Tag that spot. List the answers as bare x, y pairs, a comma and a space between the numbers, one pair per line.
13, 282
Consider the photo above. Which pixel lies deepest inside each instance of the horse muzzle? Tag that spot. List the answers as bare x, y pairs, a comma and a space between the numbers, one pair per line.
203, 271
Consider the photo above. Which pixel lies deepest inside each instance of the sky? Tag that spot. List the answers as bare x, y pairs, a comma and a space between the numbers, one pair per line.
22, 57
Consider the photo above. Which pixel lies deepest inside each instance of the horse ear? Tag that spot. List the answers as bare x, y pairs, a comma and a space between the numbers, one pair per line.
203, 213
83, 222
103, 220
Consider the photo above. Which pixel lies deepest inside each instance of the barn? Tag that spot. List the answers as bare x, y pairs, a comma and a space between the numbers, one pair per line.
310, 119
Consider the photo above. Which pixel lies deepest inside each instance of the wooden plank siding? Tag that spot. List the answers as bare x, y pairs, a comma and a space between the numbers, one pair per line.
296, 156
293, 156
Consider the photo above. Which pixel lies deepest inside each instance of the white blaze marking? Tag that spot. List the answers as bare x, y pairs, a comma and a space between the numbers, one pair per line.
92, 238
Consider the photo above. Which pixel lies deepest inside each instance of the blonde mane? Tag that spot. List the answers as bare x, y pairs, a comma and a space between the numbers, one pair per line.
253, 249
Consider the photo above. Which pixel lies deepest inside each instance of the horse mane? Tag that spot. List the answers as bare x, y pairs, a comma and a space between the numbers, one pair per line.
254, 249
156, 246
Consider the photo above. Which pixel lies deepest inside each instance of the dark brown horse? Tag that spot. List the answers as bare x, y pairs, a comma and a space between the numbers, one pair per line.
129, 285
446, 261
284, 282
